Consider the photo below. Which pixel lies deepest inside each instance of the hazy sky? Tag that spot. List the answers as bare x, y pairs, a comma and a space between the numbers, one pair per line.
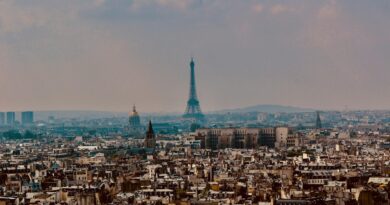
109, 54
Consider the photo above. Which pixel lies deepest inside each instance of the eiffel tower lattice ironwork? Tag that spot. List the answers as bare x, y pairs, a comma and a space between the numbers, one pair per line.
193, 107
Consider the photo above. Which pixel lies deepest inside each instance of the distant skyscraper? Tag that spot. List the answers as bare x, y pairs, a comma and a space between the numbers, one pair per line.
27, 117
318, 121
150, 139
193, 107
51, 119
2, 118
10, 118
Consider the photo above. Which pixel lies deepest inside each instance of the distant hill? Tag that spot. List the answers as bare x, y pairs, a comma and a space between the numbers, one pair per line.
267, 109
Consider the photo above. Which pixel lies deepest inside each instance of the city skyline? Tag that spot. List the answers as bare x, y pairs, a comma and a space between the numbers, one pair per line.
195, 102
105, 55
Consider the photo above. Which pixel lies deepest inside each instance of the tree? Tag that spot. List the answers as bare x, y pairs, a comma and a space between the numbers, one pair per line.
29, 135
12, 134
194, 127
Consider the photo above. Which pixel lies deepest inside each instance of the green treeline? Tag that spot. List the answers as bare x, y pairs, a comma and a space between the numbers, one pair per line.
15, 134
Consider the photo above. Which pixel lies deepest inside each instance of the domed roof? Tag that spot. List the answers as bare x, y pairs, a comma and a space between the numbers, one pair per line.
134, 118
134, 113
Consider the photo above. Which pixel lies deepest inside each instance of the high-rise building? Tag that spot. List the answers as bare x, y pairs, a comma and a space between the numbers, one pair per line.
150, 139
193, 110
27, 117
318, 121
2, 118
51, 119
10, 118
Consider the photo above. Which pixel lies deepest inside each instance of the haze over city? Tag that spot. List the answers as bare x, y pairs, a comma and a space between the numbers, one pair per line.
194, 102
109, 55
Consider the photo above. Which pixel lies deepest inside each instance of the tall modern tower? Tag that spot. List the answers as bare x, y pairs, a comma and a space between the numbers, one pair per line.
193, 108
318, 121
10, 118
27, 117
2, 118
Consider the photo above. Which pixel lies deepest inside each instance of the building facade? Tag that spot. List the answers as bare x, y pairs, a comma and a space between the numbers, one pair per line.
242, 138
10, 118
2, 118
27, 117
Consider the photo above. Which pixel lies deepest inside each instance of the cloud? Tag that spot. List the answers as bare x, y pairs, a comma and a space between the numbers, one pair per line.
327, 26
331, 28
99, 2
258, 8
106, 54
173, 4
330, 10
180, 4
14, 18
281, 8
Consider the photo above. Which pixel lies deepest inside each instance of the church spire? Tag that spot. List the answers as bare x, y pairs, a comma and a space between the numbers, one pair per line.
150, 129
150, 140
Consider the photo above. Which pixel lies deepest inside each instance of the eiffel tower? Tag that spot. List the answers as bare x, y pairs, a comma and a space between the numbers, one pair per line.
193, 108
